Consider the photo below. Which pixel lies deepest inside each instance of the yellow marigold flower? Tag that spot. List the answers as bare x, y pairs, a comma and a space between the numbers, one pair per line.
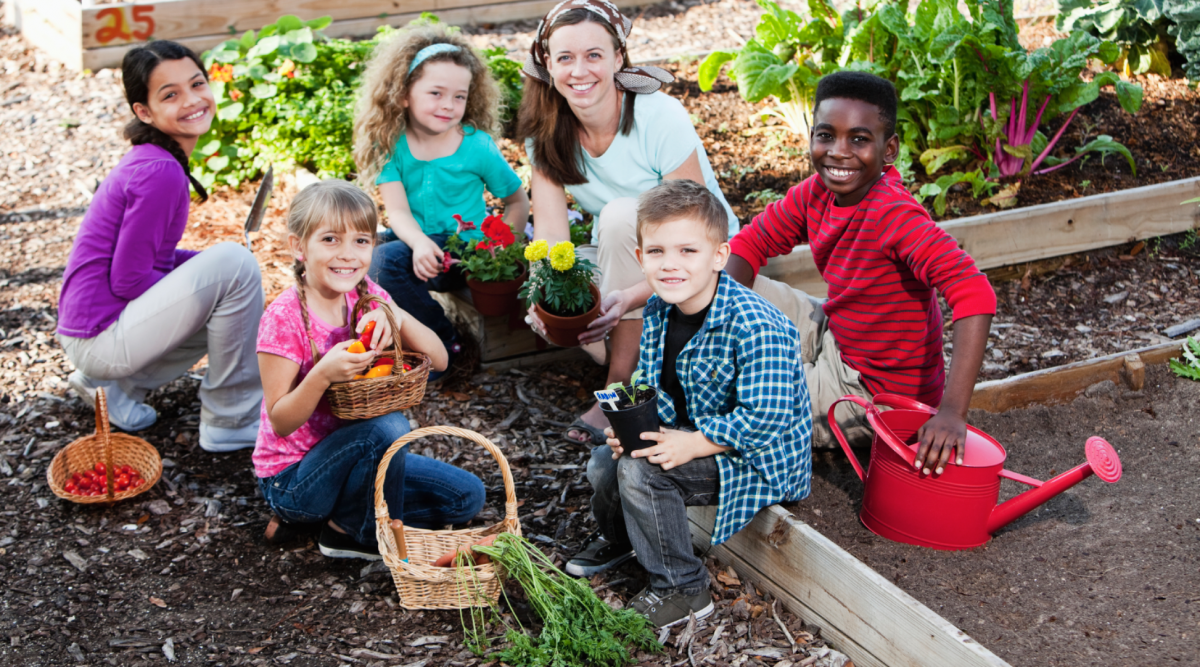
537, 250
562, 256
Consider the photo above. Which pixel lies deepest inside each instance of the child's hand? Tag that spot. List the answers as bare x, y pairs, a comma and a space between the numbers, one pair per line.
340, 365
427, 259
383, 331
674, 448
615, 444
943, 432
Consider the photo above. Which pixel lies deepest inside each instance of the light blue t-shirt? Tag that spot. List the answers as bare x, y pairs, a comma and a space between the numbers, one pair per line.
661, 140
437, 189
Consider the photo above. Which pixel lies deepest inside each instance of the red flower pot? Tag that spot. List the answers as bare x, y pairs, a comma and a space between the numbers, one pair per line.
564, 331
495, 299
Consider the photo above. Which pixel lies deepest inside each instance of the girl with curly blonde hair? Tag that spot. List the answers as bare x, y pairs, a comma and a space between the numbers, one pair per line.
421, 135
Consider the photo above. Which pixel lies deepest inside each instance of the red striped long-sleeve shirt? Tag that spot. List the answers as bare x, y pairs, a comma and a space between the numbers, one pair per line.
882, 260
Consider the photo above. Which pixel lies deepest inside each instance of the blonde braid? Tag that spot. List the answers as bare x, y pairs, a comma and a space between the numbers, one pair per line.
298, 270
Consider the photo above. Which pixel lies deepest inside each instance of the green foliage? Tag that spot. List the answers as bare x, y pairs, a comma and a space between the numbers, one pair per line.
564, 291
290, 99
498, 257
632, 388
783, 61
1144, 29
578, 628
764, 197
1190, 366
508, 74
941, 187
286, 94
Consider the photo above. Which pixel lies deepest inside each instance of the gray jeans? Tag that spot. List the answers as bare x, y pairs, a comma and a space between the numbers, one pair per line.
638, 503
210, 304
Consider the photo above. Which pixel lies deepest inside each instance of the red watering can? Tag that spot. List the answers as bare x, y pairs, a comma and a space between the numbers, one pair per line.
898, 500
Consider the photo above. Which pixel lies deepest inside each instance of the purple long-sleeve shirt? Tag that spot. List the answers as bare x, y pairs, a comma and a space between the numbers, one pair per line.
126, 242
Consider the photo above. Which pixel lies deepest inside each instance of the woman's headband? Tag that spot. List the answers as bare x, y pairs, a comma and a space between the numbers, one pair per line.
429, 51
641, 80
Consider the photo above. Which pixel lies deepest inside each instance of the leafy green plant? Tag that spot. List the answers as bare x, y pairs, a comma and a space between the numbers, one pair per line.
498, 257
508, 74
1139, 27
764, 197
559, 279
578, 628
783, 61
1190, 366
630, 390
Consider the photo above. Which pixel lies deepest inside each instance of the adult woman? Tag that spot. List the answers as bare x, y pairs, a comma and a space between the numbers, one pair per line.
135, 311
599, 127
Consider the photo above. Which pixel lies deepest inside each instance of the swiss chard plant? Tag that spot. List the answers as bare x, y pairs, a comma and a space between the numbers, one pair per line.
783, 61
1146, 31
1189, 366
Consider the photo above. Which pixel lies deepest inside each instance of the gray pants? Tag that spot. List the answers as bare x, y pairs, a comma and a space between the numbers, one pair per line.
211, 304
638, 503
829, 378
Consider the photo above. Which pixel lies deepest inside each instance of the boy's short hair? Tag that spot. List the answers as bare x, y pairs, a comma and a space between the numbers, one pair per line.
683, 199
861, 86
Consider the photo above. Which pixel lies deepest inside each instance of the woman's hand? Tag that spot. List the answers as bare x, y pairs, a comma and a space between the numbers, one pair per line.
612, 307
340, 365
427, 258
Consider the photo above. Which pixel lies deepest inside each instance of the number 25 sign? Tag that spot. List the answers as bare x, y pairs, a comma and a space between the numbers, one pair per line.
118, 27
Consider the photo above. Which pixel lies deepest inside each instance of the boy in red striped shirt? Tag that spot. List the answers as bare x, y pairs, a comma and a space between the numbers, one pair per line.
880, 330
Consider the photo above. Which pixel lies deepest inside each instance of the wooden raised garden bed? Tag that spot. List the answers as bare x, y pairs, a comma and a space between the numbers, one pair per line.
98, 36
862, 612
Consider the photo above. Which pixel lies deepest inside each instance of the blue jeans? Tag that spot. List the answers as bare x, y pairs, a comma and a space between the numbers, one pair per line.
336, 481
392, 269
637, 503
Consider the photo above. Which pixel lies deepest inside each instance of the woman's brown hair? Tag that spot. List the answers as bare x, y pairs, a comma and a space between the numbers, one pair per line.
381, 117
546, 117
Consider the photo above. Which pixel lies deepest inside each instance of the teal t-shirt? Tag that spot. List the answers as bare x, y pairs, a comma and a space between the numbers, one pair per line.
437, 189
662, 138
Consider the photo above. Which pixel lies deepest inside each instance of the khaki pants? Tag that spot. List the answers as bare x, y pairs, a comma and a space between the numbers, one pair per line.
210, 305
615, 258
829, 378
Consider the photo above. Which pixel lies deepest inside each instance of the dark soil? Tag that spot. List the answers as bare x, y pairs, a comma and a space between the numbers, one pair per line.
1101, 574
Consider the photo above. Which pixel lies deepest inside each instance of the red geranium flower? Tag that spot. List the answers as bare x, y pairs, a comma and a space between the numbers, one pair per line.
463, 225
500, 233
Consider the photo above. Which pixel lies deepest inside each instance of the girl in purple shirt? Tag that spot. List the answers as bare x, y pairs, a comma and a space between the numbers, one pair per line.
136, 312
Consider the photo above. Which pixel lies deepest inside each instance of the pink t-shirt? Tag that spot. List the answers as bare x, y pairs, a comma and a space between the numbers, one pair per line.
281, 332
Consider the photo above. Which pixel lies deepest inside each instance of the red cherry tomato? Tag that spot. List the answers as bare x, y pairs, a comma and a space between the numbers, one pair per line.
99, 467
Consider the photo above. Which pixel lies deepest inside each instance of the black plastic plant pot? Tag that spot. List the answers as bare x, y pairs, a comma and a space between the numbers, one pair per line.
629, 423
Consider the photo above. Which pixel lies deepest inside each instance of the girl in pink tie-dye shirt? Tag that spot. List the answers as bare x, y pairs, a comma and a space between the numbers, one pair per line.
313, 467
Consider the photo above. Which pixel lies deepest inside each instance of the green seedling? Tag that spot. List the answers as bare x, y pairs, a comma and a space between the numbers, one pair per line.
1190, 366
632, 389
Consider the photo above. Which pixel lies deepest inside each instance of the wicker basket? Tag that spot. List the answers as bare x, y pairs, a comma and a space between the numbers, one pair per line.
372, 397
418, 583
113, 449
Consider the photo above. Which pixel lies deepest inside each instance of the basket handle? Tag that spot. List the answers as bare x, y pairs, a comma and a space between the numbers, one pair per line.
510, 494
102, 431
387, 314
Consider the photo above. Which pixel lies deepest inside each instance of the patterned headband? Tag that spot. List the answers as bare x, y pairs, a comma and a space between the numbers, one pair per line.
427, 52
641, 80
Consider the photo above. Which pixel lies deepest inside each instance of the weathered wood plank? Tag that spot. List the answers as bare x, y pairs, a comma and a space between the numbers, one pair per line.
51, 25
863, 614
110, 56
1039, 232
496, 339
1063, 383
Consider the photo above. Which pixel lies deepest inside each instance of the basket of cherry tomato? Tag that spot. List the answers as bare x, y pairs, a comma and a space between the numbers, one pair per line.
104, 467
387, 386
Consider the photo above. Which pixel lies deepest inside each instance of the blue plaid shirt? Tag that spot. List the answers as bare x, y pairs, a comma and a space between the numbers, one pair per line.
745, 388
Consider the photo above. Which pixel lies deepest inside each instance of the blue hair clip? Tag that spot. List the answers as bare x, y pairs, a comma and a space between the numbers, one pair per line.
427, 52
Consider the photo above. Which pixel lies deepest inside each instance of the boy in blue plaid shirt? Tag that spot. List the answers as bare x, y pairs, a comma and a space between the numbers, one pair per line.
732, 397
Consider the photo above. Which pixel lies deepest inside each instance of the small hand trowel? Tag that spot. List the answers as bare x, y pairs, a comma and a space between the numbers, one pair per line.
259, 208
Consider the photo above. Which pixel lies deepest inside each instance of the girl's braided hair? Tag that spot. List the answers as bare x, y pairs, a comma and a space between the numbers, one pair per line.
342, 207
136, 68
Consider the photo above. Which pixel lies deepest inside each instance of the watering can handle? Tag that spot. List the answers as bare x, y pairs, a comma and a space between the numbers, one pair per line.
837, 431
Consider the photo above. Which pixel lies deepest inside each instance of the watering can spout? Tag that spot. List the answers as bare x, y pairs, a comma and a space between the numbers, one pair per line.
1102, 460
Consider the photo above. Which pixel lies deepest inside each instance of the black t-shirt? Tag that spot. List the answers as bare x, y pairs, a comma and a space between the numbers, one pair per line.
680, 329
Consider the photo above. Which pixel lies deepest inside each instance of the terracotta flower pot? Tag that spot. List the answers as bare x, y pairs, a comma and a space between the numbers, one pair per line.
564, 331
629, 423
496, 298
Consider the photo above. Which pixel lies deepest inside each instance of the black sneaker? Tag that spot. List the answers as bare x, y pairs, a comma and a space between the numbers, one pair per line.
665, 612
340, 545
597, 555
